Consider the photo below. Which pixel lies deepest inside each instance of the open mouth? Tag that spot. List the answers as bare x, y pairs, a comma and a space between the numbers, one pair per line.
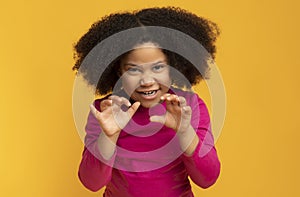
149, 93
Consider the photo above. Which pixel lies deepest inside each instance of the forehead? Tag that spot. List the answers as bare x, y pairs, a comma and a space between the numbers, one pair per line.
145, 53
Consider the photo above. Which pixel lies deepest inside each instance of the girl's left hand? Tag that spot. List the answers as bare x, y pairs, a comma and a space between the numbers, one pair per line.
178, 115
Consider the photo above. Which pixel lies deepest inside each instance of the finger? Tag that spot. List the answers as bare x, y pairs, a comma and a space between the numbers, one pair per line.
172, 103
116, 103
133, 108
94, 110
163, 97
159, 119
105, 104
182, 101
168, 103
187, 110
125, 101
120, 100
115, 99
170, 97
174, 99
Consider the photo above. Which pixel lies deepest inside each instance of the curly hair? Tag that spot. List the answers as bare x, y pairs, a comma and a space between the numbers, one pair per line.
202, 30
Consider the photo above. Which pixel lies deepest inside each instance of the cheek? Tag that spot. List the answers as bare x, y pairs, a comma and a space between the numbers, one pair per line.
168, 81
165, 80
129, 84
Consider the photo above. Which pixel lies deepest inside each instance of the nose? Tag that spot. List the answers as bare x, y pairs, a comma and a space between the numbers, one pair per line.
147, 81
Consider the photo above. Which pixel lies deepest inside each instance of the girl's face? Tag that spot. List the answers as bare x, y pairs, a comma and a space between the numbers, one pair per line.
145, 74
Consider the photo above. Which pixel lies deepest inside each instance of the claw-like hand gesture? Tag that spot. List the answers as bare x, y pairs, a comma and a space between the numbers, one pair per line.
178, 115
112, 118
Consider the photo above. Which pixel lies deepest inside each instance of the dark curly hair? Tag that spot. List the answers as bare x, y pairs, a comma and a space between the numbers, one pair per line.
202, 30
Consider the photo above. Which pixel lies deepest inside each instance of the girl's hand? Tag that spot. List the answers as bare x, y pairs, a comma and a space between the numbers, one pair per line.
112, 118
178, 115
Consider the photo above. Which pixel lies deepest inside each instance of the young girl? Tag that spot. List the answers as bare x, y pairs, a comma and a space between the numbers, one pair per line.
148, 134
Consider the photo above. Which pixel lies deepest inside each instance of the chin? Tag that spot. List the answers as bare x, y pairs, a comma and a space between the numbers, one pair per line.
149, 104
146, 105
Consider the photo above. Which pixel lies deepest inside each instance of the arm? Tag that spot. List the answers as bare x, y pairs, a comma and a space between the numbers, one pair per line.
93, 172
105, 122
203, 165
188, 116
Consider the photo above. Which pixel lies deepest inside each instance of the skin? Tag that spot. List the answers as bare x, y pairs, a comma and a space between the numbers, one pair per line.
145, 76
144, 70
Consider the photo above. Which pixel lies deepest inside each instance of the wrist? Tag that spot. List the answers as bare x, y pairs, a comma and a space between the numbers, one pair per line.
106, 145
188, 140
111, 133
185, 131
112, 138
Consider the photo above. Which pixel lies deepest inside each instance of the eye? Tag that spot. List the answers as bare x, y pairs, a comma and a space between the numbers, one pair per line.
158, 67
133, 70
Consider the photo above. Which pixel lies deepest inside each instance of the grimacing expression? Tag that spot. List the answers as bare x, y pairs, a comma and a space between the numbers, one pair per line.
145, 74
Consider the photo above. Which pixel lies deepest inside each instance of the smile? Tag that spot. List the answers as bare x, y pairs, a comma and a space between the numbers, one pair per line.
148, 93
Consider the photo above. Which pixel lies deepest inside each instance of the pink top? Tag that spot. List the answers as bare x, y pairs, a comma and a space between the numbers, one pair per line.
148, 160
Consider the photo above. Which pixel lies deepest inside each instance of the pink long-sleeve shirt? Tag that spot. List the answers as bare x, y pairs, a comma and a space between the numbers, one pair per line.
148, 160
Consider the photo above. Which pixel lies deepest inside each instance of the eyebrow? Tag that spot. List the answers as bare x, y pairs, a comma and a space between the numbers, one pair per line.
152, 63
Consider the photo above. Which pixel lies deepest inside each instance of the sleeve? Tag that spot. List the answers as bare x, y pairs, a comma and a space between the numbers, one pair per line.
203, 166
94, 171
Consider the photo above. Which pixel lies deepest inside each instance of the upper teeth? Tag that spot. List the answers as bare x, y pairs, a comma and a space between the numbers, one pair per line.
149, 92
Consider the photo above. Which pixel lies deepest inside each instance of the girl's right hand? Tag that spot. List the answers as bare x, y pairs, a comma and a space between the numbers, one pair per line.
112, 119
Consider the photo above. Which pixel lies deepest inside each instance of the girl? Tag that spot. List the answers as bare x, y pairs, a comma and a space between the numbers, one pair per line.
150, 132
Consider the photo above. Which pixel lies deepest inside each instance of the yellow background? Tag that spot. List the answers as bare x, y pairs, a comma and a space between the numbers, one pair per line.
257, 55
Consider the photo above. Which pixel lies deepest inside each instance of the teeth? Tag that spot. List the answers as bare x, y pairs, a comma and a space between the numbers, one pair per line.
149, 93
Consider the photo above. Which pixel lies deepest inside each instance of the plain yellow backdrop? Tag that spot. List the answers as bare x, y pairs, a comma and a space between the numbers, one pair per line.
257, 56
